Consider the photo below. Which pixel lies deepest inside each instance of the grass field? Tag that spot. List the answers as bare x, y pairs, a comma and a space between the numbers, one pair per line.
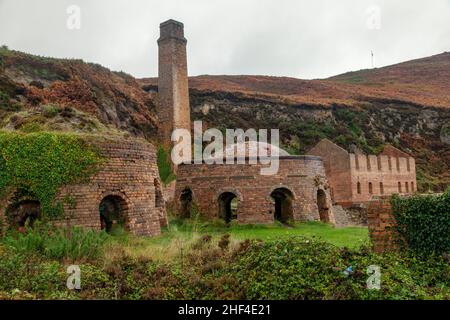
181, 235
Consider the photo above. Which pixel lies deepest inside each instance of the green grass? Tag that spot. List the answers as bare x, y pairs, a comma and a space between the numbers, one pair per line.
181, 235
342, 237
351, 237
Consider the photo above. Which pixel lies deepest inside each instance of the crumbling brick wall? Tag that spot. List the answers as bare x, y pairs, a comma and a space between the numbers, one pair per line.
382, 224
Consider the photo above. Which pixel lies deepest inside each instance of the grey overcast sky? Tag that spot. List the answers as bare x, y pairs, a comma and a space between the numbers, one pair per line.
298, 38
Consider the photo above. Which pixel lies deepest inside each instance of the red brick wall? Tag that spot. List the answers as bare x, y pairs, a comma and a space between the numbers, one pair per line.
384, 172
302, 175
337, 166
381, 224
129, 172
383, 169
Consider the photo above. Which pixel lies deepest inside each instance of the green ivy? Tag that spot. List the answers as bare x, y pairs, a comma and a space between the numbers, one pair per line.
164, 166
39, 164
424, 222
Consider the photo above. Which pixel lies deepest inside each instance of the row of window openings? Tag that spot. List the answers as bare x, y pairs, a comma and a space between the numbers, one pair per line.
369, 166
399, 186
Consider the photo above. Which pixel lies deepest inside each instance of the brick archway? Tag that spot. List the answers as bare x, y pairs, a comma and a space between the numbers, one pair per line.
21, 210
114, 210
23, 213
283, 200
228, 202
322, 206
186, 201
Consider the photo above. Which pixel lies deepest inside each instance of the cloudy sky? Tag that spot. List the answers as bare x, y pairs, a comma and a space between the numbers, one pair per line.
297, 38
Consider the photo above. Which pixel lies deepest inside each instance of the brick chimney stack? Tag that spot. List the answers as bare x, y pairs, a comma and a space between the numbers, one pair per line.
174, 110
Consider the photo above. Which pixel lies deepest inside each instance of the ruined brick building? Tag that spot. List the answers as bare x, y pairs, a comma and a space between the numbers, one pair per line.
319, 186
356, 178
309, 187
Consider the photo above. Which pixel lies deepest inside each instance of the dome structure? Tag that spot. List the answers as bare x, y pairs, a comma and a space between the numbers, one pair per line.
251, 149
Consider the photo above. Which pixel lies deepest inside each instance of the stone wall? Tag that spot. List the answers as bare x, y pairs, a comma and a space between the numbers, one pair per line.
303, 176
352, 216
381, 224
130, 174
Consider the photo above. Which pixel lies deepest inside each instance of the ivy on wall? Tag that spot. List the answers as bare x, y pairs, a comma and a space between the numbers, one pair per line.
39, 164
165, 166
424, 222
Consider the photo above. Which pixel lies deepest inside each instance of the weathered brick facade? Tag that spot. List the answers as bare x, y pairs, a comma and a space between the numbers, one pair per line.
129, 174
382, 224
357, 178
300, 176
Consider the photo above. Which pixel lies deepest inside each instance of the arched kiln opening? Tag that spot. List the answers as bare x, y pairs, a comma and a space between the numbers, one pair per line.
23, 213
113, 213
186, 199
228, 205
322, 206
283, 199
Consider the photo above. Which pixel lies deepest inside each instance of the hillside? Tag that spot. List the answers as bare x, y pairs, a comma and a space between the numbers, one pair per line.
424, 82
407, 105
39, 93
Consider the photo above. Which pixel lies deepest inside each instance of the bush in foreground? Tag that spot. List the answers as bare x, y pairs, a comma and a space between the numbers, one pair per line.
295, 268
424, 222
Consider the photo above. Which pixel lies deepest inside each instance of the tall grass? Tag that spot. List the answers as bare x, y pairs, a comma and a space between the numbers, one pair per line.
57, 243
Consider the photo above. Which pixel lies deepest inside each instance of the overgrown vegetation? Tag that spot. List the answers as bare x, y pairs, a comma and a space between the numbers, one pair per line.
165, 166
424, 222
352, 131
38, 164
6, 104
291, 268
57, 243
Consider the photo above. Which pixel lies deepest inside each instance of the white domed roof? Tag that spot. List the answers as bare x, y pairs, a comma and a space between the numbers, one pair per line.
252, 149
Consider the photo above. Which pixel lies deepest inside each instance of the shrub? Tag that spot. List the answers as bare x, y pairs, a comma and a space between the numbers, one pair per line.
424, 222
302, 268
50, 110
4, 101
57, 243
296, 268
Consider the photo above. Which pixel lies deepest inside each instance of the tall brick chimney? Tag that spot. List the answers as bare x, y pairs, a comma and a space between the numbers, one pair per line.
174, 110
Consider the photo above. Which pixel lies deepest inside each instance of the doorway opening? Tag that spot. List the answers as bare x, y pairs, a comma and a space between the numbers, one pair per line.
283, 199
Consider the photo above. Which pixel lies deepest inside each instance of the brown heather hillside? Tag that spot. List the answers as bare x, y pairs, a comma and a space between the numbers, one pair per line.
406, 105
39, 93
424, 82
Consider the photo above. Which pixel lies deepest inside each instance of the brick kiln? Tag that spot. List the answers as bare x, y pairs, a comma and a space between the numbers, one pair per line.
125, 190
298, 192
